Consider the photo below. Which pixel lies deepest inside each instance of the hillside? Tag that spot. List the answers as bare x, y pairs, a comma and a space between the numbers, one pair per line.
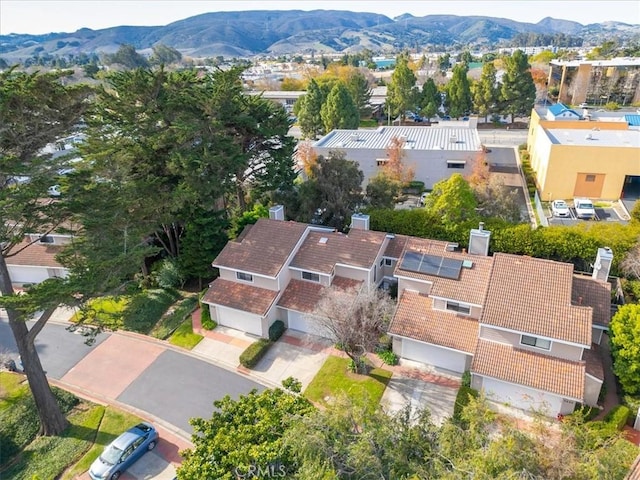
259, 32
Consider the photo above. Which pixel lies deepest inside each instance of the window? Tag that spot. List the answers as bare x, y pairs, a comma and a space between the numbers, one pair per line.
381, 261
457, 307
314, 277
387, 262
590, 178
247, 277
381, 162
535, 342
455, 163
46, 239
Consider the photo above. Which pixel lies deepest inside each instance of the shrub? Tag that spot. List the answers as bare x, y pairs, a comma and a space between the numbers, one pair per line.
414, 186
276, 330
167, 274
462, 400
292, 384
466, 379
388, 357
205, 318
618, 416
171, 320
585, 412
146, 308
254, 352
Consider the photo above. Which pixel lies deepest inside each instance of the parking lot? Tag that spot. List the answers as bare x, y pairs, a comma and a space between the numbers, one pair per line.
612, 213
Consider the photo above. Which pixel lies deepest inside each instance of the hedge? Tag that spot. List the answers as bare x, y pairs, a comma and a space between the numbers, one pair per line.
462, 400
618, 416
254, 352
276, 330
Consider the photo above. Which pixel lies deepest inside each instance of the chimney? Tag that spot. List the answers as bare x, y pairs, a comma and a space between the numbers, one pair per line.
276, 212
479, 241
360, 221
602, 267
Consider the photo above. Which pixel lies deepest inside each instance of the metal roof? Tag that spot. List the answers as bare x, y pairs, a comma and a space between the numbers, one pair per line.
595, 137
452, 136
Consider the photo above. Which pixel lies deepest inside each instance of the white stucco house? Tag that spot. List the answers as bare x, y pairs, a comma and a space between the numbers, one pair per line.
527, 329
33, 260
434, 152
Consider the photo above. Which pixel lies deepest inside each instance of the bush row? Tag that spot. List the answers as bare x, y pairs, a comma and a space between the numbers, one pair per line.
254, 352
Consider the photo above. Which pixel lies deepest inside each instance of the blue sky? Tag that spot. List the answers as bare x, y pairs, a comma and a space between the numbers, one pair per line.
45, 16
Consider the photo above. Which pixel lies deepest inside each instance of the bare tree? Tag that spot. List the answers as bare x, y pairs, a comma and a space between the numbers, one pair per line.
630, 266
355, 320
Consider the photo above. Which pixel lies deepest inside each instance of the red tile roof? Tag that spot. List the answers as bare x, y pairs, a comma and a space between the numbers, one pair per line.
415, 318
396, 246
470, 287
264, 249
359, 248
240, 296
35, 255
530, 369
595, 294
303, 296
534, 295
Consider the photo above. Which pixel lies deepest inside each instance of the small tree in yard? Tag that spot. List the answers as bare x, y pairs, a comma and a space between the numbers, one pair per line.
625, 347
355, 320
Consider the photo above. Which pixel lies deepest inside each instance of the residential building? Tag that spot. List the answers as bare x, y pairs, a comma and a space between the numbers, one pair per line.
527, 329
433, 152
584, 153
34, 259
596, 81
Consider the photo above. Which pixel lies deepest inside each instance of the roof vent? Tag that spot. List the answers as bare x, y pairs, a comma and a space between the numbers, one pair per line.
453, 139
451, 247
354, 137
467, 264
323, 240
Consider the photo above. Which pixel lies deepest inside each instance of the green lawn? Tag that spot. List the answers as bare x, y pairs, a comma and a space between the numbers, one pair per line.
334, 378
184, 336
106, 311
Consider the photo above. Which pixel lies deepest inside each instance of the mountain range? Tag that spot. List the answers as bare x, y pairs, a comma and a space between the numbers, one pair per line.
260, 32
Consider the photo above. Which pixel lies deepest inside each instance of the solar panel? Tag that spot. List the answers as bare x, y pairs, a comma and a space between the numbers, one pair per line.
431, 265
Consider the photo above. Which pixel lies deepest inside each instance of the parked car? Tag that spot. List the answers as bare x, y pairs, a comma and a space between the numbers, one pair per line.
123, 452
584, 208
559, 208
54, 191
423, 198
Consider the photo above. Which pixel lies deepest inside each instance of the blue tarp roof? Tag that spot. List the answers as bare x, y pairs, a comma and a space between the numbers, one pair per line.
633, 120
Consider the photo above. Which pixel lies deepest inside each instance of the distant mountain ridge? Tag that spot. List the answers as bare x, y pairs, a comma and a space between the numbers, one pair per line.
264, 32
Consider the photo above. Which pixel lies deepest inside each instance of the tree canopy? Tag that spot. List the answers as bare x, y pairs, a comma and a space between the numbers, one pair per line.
402, 93
518, 91
625, 347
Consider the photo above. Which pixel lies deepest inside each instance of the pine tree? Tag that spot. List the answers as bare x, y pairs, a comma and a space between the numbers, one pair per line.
518, 90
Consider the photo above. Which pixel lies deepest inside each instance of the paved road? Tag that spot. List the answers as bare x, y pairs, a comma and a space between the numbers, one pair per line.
147, 375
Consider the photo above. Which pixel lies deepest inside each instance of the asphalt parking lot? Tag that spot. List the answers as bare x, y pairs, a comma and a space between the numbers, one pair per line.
603, 214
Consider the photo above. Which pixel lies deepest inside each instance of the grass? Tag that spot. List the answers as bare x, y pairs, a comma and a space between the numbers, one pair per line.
184, 336
105, 311
174, 317
334, 378
114, 422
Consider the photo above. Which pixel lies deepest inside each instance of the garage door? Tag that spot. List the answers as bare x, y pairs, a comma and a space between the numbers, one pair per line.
521, 397
20, 274
240, 320
432, 355
302, 323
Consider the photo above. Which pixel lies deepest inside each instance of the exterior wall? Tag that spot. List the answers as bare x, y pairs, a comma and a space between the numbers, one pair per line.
430, 166
558, 349
258, 281
592, 388
596, 335
325, 280
409, 284
22, 274
441, 304
352, 273
558, 167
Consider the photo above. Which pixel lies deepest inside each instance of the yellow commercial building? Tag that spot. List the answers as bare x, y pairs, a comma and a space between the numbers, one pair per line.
582, 156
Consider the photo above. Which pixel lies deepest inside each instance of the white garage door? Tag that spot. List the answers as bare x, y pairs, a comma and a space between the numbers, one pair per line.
27, 274
521, 397
240, 320
303, 323
432, 355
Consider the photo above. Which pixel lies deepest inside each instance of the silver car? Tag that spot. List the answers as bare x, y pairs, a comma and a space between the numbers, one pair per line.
124, 451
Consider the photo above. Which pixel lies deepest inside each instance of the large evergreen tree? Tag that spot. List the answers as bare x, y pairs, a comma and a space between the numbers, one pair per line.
339, 111
35, 110
458, 101
518, 89
486, 93
430, 99
402, 93
307, 108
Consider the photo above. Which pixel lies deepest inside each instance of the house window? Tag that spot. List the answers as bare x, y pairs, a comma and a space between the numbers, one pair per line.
590, 178
314, 277
46, 239
247, 277
381, 162
387, 262
381, 261
456, 163
458, 307
535, 342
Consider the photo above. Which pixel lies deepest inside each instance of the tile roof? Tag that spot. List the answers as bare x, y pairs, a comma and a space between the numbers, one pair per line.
533, 295
595, 294
359, 249
470, 287
593, 361
35, 255
240, 296
303, 296
264, 249
530, 369
395, 246
416, 319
